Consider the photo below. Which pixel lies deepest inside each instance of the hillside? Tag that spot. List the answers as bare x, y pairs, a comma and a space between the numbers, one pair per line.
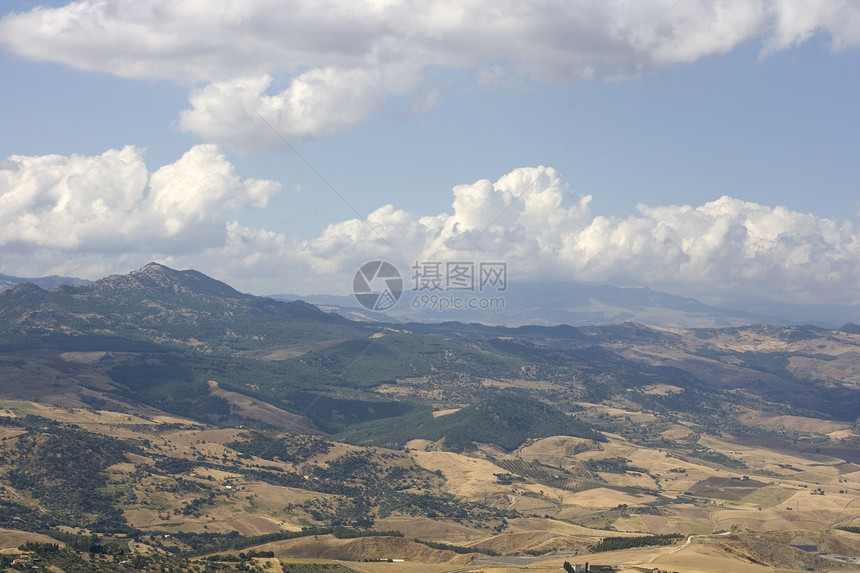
167, 408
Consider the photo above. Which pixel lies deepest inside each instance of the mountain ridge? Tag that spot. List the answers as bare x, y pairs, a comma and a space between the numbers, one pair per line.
47, 282
155, 276
161, 304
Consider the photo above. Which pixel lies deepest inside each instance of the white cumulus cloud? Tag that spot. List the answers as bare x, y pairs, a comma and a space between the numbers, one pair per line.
311, 68
529, 219
78, 206
91, 216
317, 102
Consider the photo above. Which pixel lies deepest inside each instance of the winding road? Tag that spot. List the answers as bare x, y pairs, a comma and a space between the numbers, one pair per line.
686, 543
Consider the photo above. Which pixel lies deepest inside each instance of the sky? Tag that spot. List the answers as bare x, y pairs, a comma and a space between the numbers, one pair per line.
703, 148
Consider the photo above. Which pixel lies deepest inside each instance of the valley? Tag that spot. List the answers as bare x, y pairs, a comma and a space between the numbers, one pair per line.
163, 421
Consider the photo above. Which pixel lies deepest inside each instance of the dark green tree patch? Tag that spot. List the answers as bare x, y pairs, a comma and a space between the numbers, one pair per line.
63, 467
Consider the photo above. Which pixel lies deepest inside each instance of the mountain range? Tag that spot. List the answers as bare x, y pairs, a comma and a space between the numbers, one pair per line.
158, 309
548, 304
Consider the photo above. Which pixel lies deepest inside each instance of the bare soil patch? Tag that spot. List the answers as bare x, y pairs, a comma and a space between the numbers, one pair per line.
11, 539
732, 489
287, 352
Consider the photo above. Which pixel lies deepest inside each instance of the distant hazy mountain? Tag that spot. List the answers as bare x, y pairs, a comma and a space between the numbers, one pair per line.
557, 303
819, 315
345, 306
7, 282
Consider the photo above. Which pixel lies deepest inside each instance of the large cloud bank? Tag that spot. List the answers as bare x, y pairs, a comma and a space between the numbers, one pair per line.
312, 68
90, 216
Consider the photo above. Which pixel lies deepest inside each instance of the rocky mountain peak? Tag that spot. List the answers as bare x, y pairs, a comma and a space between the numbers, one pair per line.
155, 277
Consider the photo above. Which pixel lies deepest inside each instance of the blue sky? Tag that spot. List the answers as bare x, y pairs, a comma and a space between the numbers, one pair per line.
707, 149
